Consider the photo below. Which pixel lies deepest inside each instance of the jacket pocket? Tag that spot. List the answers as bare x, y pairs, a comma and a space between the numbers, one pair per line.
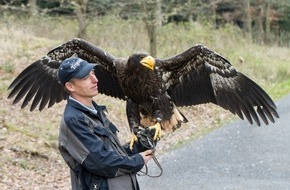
96, 182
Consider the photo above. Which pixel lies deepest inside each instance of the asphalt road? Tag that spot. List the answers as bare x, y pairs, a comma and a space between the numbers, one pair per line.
235, 157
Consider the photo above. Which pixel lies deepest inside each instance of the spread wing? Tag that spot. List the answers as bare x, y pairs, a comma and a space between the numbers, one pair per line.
200, 75
39, 84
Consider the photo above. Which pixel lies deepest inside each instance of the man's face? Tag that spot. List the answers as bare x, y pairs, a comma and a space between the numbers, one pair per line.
84, 88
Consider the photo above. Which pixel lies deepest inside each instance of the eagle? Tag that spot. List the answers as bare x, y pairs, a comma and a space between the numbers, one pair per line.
153, 88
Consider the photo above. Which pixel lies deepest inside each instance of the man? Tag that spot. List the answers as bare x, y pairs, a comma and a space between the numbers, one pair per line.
87, 141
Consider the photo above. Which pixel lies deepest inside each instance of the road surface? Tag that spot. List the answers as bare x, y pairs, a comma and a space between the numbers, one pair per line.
235, 157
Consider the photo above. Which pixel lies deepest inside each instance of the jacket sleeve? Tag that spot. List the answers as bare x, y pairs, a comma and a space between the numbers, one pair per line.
92, 152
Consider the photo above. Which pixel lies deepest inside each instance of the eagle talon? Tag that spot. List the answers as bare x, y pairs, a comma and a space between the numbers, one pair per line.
134, 138
157, 128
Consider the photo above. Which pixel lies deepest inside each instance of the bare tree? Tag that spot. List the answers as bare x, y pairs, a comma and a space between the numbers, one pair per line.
260, 21
190, 12
80, 10
214, 5
247, 20
267, 22
159, 13
150, 18
32, 7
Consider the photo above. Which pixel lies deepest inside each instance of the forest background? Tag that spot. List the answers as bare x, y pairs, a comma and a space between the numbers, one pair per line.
253, 35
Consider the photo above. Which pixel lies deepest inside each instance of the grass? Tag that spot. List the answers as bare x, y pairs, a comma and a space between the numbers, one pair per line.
24, 40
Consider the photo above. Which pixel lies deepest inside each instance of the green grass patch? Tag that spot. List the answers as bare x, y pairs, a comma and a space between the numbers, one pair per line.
280, 89
7, 67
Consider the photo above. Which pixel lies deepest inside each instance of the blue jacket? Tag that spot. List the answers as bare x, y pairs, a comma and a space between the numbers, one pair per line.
89, 145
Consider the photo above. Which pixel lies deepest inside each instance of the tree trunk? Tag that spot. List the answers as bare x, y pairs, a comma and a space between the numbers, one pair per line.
261, 33
213, 8
248, 20
159, 14
32, 7
150, 10
80, 10
267, 30
190, 12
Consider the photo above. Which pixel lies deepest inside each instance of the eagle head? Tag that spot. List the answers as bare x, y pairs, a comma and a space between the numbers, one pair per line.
143, 59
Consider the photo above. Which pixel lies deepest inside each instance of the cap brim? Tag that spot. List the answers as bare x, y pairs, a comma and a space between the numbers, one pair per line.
85, 71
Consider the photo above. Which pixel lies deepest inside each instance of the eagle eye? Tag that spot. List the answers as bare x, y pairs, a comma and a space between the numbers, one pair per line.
141, 57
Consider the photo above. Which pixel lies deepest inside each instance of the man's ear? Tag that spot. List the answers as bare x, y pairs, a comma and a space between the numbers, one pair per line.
69, 86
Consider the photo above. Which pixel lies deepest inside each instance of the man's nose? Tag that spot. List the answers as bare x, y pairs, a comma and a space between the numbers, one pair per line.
94, 77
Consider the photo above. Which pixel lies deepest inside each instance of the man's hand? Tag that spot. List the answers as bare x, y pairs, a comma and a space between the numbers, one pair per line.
147, 155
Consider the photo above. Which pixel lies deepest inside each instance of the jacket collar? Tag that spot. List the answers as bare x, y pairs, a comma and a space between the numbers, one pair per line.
78, 105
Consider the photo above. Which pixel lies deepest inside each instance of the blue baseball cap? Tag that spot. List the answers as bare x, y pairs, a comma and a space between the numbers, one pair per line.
74, 67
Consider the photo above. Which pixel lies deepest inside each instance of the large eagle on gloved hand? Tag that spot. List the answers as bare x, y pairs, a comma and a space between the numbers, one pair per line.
152, 88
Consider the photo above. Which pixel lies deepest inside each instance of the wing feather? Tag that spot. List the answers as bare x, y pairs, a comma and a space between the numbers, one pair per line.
39, 81
45, 78
22, 89
19, 82
29, 95
200, 75
262, 115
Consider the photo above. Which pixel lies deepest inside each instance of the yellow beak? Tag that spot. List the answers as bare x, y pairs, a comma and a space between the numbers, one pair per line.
148, 62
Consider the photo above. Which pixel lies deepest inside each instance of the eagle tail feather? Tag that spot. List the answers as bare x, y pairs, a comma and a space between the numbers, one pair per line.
175, 121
